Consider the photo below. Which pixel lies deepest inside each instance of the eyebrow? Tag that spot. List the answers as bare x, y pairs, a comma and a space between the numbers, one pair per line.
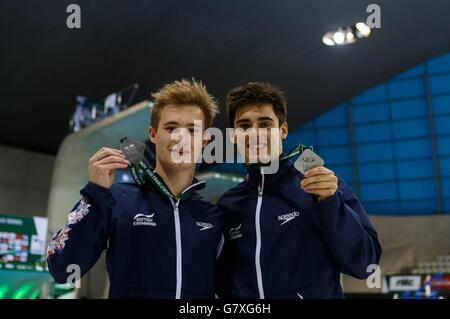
243, 121
262, 118
265, 118
176, 123
171, 123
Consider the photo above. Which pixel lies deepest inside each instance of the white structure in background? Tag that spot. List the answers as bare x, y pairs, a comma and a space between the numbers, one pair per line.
70, 173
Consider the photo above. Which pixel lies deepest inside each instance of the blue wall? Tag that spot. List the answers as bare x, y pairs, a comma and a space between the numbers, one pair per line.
381, 142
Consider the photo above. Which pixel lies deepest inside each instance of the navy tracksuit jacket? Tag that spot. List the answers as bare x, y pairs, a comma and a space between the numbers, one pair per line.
156, 247
282, 243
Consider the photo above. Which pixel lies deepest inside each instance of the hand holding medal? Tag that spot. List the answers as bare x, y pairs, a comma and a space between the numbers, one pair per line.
140, 169
103, 165
318, 180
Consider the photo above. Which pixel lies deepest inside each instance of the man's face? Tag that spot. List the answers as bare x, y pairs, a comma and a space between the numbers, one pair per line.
178, 138
258, 133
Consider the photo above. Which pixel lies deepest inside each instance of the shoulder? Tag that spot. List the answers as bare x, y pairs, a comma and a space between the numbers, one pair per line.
125, 189
234, 193
203, 204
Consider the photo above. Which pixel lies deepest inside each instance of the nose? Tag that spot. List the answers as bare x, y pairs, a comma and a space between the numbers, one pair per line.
180, 135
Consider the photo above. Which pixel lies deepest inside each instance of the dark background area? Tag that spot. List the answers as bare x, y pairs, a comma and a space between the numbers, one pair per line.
44, 65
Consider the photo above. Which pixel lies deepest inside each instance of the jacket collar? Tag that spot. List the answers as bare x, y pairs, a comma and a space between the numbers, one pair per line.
186, 194
254, 173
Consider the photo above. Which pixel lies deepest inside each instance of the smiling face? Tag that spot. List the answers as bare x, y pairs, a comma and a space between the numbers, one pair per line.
178, 138
258, 133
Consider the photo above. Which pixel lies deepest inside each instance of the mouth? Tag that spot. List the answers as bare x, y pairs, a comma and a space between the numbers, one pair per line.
179, 152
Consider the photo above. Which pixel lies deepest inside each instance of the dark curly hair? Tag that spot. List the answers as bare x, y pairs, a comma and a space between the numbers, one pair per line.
256, 93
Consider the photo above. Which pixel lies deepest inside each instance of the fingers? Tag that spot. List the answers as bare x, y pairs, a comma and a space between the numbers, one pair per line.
113, 159
306, 182
320, 186
324, 193
320, 181
324, 189
318, 171
104, 152
113, 166
108, 159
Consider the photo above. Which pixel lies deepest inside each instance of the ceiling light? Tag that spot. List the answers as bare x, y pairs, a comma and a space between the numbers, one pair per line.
339, 37
346, 35
328, 39
363, 29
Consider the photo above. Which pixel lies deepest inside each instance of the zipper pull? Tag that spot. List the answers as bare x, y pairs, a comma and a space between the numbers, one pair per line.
261, 183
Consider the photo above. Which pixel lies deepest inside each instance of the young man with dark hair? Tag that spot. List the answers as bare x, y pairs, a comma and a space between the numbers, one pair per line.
161, 238
289, 235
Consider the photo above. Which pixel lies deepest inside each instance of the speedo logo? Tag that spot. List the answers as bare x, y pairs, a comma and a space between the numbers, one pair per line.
235, 232
287, 217
144, 220
204, 226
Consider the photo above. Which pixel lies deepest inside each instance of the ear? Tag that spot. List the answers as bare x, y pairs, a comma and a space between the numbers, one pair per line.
284, 130
152, 134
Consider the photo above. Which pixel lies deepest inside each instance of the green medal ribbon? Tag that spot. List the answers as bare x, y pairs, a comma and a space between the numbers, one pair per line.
296, 151
142, 171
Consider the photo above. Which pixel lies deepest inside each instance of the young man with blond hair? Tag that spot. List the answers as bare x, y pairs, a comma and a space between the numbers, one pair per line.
161, 238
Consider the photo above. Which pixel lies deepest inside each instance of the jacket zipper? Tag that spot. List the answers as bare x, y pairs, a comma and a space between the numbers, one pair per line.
258, 237
178, 248
179, 267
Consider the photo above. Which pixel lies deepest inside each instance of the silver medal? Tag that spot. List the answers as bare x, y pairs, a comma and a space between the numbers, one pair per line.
133, 150
308, 160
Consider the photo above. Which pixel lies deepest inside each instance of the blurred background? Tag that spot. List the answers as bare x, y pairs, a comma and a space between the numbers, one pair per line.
367, 84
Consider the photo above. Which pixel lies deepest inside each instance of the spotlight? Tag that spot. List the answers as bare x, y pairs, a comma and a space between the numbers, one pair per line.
328, 39
339, 37
346, 35
363, 29
349, 37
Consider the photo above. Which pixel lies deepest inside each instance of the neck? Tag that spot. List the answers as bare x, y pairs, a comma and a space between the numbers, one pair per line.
280, 151
176, 180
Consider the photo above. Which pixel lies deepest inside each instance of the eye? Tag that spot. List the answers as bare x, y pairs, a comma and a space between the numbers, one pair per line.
265, 124
170, 129
244, 126
193, 130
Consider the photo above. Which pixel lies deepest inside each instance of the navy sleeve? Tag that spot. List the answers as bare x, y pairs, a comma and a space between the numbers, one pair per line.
85, 235
349, 232
222, 274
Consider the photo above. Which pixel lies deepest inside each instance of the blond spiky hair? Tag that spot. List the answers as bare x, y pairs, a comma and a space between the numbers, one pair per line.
184, 92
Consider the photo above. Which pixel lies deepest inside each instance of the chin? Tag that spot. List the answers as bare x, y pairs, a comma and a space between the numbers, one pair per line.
253, 159
181, 166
